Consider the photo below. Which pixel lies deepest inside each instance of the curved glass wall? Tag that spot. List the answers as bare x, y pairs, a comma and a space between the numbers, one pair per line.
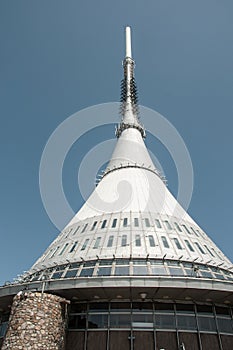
133, 267
151, 316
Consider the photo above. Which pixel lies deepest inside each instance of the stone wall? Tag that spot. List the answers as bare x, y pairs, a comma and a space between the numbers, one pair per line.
37, 321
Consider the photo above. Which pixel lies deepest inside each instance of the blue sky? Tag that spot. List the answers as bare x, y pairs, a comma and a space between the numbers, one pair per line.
58, 57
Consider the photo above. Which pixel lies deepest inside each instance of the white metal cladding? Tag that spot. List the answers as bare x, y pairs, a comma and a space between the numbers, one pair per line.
132, 234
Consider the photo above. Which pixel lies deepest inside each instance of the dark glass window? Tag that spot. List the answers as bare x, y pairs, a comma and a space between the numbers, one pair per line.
74, 265
84, 228
184, 308
104, 223
194, 232
151, 241
89, 263
54, 252
77, 322
222, 310
165, 242
73, 247
85, 244
142, 320
136, 222
158, 270
105, 262
137, 241
177, 243
97, 243
157, 222
3, 329
125, 222
122, 262
104, 271
114, 222
176, 271
142, 307
225, 325
120, 320
147, 222
204, 309
120, 307
168, 225
71, 273
140, 270
208, 250
78, 308
86, 272
124, 241
186, 229
164, 307
57, 275
94, 225
110, 241
122, 270
61, 268
177, 226
64, 248
189, 245
75, 231
206, 274
165, 321
97, 321
206, 323
200, 248
97, 307
185, 322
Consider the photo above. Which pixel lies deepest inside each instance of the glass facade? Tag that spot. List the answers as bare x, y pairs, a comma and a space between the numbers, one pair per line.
126, 267
151, 315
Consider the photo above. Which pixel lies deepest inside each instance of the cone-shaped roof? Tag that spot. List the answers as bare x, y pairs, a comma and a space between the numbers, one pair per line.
131, 214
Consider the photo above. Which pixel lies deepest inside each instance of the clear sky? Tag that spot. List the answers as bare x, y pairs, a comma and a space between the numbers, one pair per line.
58, 57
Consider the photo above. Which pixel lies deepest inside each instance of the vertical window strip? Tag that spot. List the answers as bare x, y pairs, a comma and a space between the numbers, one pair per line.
157, 222
94, 225
177, 243
75, 231
194, 232
151, 241
125, 222
165, 242
54, 252
217, 254
137, 241
85, 244
110, 241
186, 229
104, 224
168, 225
97, 243
114, 223
208, 250
177, 226
84, 228
189, 245
124, 241
147, 222
200, 248
64, 248
136, 222
73, 247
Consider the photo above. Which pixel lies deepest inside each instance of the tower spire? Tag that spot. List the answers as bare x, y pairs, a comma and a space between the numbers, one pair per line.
129, 98
128, 48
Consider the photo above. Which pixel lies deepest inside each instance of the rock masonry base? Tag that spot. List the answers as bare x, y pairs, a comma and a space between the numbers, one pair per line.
37, 321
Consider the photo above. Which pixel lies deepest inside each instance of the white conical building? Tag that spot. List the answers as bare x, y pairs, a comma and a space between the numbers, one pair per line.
138, 270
